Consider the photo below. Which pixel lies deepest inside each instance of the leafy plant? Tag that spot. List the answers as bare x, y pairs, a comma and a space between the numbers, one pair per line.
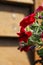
31, 32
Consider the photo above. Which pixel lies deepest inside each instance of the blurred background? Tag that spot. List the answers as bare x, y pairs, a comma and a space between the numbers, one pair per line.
11, 13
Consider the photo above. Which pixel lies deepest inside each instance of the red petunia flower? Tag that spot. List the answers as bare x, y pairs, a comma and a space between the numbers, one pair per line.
26, 48
41, 36
40, 8
24, 35
28, 20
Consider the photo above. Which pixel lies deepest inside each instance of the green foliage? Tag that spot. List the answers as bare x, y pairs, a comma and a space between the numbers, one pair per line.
28, 28
30, 42
42, 23
41, 26
40, 52
42, 13
37, 29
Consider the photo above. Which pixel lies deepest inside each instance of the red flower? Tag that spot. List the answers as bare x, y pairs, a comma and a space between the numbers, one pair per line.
40, 8
24, 35
41, 36
24, 48
28, 20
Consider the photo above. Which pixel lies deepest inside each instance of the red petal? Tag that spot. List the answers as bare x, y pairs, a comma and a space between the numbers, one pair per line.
25, 39
22, 30
27, 20
18, 34
29, 33
20, 39
26, 48
40, 8
41, 35
42, 39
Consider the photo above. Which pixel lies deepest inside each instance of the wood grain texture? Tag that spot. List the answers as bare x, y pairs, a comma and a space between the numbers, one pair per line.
38, 3
21, 1
10, 17
12, 56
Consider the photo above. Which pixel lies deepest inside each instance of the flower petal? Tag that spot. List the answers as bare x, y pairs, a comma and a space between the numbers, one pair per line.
28, 20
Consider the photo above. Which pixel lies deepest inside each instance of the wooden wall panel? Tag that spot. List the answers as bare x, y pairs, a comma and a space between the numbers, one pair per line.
38, 3
12, 56
10, 17
21, 1
9, 53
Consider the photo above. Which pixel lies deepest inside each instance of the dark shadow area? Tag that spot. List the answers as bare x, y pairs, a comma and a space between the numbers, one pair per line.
15, 2
13, 9
9, 41
31, 57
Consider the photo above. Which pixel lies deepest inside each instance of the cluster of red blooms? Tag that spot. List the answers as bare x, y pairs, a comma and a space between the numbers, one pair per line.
24, 35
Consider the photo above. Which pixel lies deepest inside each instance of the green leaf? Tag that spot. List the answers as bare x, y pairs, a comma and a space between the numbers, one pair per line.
35, 37
30, 42
40, 52
35, 24
36, 17
41, 27
28, 28
42, 13
40, 43
42, 23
